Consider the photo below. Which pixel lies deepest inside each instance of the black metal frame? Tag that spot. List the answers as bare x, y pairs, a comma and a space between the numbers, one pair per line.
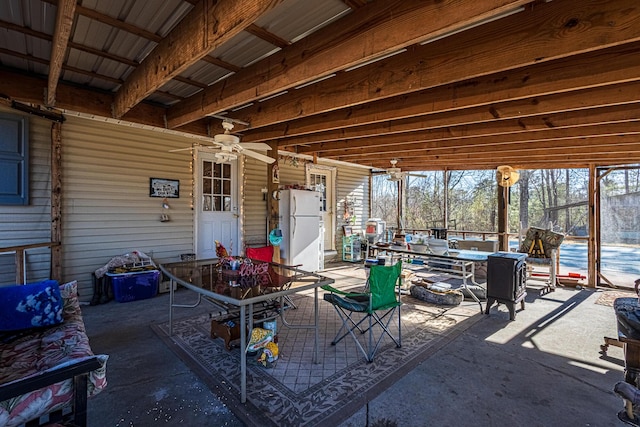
78, 371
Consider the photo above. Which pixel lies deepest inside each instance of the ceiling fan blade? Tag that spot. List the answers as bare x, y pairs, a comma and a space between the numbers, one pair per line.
255, 146
181, 149
258, 156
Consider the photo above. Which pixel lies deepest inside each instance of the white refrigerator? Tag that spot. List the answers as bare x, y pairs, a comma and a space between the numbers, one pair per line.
300, 226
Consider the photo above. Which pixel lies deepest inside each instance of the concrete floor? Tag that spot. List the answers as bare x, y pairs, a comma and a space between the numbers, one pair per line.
543, 369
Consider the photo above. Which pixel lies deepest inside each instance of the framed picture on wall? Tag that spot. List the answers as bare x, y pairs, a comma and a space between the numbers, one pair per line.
160, 187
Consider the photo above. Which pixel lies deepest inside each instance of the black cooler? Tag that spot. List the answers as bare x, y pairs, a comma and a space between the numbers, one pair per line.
506, 280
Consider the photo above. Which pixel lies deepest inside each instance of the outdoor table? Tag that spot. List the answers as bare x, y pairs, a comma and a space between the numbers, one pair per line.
211, 281
458, 262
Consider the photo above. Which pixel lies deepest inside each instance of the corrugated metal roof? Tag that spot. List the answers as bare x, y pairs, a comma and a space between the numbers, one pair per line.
293, 18
117, 50
243, 50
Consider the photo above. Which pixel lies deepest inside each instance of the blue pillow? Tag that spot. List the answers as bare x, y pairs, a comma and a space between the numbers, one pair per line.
33, 305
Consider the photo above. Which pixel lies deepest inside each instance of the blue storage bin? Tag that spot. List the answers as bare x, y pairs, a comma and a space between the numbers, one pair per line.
135, 286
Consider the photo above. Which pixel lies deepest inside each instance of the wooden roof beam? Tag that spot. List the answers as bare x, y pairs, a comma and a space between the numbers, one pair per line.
501, 91
64, 21
610, 104
209, 24
576, 144
390, 25
267, 36
456, 143
29, 88
611, 115
521, 40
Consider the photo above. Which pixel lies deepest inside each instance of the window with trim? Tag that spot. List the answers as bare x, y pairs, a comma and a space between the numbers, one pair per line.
14, 160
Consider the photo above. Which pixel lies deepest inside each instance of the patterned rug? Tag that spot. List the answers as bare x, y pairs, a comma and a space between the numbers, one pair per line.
297, 392
607, 297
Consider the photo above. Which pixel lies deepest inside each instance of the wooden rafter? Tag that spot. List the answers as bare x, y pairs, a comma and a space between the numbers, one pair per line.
267, 36
209, 24
502, 94
507, 44
559, 110
339, 45
616, 116
64, 21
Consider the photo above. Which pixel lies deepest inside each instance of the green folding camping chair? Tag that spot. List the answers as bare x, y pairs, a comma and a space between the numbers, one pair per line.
377, 305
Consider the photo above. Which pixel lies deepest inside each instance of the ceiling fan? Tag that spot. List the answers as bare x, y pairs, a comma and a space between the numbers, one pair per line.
229, 146
395, 173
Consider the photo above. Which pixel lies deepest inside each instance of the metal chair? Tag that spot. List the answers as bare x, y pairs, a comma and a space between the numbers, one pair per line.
377, 305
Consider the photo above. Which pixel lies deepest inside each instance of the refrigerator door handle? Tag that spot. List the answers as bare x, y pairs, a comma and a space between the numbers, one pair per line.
294, 204
293, 232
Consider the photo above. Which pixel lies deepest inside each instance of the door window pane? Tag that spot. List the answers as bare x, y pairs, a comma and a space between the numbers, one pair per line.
216, 187
206, 168
319, 183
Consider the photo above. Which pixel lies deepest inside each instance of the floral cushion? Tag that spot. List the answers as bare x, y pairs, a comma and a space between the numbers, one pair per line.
30, 306
44, 350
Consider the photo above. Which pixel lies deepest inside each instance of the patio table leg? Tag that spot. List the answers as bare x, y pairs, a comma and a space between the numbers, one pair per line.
243, 353
315, 322
464, 283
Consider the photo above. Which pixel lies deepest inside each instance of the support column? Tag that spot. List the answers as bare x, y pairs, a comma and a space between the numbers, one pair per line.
445, 215
503, 218
593, 253
273, 207
56, 201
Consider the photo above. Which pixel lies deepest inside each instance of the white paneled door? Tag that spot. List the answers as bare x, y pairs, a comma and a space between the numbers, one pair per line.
322, 179
216, 205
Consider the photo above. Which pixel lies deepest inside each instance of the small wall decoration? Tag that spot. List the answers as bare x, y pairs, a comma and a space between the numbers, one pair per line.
275, 178
159, 187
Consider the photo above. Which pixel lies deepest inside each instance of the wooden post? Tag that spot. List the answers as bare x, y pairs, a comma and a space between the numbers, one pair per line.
273, 207
445, 202
20, 279
503, 218
56, 201
594, 230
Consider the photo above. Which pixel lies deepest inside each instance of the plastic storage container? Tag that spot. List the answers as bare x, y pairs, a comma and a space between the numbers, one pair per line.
135, 286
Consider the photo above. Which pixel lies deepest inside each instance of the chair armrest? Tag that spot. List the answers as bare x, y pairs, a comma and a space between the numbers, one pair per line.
46, 378
331, 289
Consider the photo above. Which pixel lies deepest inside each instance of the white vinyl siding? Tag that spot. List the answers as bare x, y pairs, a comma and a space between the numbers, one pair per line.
351, 183
254, 208
23, 225
107, 210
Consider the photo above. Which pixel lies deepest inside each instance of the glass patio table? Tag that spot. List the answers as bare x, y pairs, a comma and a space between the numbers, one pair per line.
218, 283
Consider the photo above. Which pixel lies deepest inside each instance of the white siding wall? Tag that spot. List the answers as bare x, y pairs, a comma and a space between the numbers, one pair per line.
255, 208
22, 225
351, 183
107, 210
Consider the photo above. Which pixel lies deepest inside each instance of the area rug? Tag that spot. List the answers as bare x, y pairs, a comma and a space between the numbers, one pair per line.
298, 392
607, 297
